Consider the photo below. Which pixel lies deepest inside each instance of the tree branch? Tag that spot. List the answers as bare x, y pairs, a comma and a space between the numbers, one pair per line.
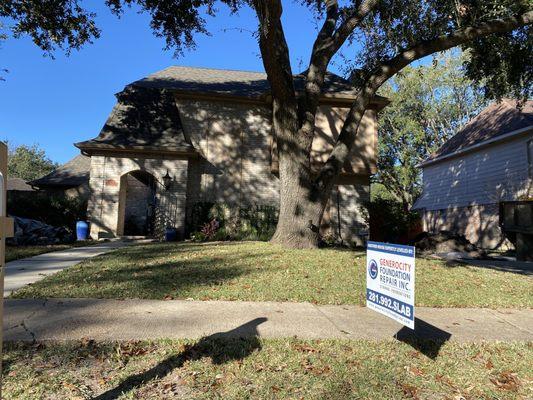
274, 49
348, 26
389, 68
327, 44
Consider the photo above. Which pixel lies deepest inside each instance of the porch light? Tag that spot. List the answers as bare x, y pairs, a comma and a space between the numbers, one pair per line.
167, 181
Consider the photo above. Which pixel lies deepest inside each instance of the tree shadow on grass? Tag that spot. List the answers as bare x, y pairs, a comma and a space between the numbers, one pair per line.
177, 277
235, 344
151, 250
128, 276
521, 268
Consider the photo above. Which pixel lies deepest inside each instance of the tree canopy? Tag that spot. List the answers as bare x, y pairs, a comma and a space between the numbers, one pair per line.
429, 104
29, 162
381, 28
377, 39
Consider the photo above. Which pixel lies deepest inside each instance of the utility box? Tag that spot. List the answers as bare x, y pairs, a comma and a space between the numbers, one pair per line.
516, 221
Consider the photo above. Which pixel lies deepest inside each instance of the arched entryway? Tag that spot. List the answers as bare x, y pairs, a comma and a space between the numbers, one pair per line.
137, 204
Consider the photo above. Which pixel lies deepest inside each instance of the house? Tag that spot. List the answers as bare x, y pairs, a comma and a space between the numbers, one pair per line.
70, 179
184, 136
18, 185
490, 160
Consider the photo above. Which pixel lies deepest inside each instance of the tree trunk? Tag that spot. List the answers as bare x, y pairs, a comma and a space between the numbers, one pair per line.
300, 211
303, 194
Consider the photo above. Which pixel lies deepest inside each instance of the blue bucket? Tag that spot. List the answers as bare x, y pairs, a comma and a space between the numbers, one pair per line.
171, 235
82, 230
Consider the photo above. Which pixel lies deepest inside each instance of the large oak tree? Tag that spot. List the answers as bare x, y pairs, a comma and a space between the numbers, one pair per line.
387, 36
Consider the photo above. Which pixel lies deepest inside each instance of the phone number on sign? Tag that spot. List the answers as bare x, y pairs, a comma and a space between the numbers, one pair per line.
389, 303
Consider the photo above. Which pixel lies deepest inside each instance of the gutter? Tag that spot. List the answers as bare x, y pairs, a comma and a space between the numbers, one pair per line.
477, 146
89, 148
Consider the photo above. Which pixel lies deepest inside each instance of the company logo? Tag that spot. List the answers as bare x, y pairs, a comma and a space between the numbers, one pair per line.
373, 269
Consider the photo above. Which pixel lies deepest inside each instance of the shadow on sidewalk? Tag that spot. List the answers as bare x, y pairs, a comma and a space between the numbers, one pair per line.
221, 347
426, 338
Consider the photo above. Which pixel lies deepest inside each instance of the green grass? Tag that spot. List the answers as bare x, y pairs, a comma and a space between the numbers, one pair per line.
266, 369
258, 271
18, 252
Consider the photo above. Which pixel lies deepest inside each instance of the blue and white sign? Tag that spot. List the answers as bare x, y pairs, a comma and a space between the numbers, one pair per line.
390, 281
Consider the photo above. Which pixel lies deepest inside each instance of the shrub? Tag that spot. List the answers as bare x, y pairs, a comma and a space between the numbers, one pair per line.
53, 209
210, 228
251, 222
198, 237
389, 222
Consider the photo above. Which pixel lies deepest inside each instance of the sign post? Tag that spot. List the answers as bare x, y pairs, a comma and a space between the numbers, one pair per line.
6, 230
390, 281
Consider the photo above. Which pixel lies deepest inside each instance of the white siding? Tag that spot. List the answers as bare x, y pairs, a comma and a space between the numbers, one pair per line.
491, 174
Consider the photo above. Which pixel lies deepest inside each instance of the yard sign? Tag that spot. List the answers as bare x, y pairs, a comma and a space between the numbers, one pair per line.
390, 281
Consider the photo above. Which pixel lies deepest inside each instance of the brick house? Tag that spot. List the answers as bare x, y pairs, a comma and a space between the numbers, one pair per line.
489, 161
209, 133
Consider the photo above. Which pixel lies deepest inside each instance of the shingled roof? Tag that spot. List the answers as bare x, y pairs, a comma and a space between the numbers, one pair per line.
496, 120
71, 174
18, 184
235, 83
145, 117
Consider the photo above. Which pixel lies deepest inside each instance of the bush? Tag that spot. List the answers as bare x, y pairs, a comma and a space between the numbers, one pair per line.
210, 228
53, 209
253, 222
389, 222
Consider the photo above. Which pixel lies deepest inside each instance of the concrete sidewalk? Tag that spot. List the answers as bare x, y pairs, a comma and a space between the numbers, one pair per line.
21, 272
153, 319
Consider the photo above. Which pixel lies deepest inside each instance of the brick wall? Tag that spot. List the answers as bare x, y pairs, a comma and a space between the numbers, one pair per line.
346, 216
106, 211
234, 141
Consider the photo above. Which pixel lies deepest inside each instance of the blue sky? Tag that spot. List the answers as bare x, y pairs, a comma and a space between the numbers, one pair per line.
56, 102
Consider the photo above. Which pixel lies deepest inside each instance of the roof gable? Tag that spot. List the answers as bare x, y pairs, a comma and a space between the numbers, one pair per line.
18, 184
496, 120
145, 117
73, 173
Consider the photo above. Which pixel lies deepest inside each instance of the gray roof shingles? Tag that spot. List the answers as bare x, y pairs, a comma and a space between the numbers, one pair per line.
18, 184
142, 117
232, 82
145, 114
494, 121
71, 174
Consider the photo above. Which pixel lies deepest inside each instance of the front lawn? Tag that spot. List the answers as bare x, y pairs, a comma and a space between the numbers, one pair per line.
258, 271
219, 368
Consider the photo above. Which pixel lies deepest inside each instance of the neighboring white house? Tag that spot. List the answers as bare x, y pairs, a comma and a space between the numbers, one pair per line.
489, 161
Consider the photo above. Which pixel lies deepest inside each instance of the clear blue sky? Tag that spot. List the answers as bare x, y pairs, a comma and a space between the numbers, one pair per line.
55, 103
